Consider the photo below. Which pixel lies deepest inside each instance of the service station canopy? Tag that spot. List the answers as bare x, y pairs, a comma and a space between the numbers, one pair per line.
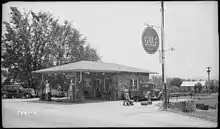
92, 66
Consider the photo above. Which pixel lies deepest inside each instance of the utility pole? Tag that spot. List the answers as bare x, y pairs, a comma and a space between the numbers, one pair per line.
208, 71
162, 51
163, 56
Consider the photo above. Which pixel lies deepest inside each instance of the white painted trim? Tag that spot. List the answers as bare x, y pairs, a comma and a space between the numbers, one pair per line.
137, 82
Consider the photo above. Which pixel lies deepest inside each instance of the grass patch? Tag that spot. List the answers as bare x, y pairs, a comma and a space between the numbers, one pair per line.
211, 114
210, 100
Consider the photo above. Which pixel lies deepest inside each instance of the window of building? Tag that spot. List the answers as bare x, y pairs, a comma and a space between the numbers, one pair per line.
135, 84
87, 82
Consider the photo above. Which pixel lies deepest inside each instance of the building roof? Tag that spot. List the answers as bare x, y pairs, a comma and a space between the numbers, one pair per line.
92, 66
192, 83
202, 82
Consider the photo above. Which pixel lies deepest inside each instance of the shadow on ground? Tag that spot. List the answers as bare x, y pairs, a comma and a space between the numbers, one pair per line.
67, 101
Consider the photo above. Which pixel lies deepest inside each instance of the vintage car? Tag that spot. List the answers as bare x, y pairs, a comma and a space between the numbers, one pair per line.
16, 90
144, 89
57, 93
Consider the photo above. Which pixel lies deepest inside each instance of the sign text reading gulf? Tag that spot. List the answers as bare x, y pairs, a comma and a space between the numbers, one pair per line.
151, 40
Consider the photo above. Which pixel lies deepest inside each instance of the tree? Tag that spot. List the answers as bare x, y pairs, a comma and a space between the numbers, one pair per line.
174, 89
176, 82
4, 75
198, 87
34, 41
214, 87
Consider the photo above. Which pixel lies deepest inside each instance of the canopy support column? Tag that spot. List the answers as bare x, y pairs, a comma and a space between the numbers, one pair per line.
74, 87
41, 87
117, 87
81, 86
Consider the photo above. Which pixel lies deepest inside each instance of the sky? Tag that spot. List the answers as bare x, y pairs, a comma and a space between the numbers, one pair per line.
115, 29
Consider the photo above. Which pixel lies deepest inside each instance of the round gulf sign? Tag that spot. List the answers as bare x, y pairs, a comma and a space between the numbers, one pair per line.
150, 40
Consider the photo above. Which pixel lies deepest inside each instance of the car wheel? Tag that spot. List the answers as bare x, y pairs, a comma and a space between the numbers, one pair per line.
4, 96
27, 95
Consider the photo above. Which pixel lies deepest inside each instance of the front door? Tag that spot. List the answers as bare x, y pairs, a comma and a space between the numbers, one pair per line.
97, 84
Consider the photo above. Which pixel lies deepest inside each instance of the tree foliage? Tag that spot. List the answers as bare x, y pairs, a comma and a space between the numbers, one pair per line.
34, 41
176, 82
174, 89
4, 75
198, 87
213, 87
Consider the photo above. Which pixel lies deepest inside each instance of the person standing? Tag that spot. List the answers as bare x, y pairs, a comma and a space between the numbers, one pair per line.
47, 88
72, 90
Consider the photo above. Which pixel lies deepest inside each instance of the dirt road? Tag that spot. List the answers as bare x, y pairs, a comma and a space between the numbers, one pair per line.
23, 113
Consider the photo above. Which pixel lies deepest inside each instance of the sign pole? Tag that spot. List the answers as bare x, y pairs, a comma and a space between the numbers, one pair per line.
150, 41
163, 57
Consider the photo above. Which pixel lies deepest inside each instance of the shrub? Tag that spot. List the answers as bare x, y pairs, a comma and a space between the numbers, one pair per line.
174, 89
198, 87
